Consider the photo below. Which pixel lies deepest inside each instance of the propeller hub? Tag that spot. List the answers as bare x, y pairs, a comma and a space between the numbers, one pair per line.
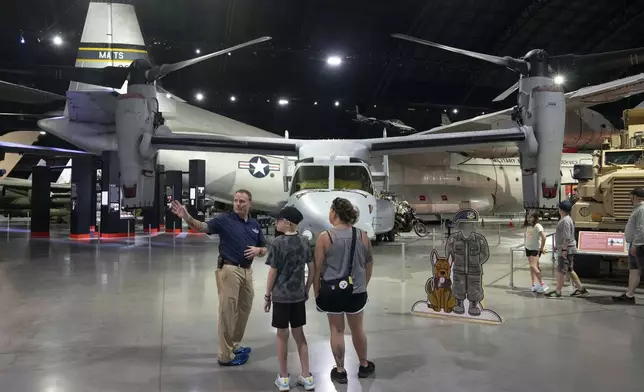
539, 62
138, 71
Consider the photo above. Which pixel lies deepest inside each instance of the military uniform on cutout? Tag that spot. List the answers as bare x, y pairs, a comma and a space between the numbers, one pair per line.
470, 251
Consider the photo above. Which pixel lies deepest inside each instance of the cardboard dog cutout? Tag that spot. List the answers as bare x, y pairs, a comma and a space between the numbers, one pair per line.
456, 286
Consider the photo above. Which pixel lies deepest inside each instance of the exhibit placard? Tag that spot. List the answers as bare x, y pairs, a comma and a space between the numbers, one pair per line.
602, 242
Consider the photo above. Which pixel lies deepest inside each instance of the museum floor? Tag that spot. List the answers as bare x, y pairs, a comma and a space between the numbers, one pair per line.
141, 315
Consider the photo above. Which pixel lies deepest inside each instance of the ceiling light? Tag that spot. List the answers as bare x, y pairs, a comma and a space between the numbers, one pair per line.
168, 96
334, 61
232, 98
199, 96
374, 106
198, 51
283, 102
559, 79
455, 111
315, 103
57, 40
337, 103
43, 132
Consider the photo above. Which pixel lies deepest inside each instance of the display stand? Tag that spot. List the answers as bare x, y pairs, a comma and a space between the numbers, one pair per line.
455, 289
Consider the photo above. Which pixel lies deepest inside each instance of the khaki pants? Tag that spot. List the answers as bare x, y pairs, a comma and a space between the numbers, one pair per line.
235, 289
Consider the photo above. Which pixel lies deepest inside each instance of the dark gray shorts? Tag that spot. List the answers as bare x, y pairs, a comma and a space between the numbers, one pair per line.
565, 264
636, 262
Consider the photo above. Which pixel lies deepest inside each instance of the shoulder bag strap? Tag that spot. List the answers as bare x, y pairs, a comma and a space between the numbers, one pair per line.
353, 248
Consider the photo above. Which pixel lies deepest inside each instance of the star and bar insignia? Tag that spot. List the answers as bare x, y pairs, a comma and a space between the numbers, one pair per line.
258, 167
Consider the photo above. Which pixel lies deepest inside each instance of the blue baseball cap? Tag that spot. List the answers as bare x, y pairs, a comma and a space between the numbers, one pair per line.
565, 205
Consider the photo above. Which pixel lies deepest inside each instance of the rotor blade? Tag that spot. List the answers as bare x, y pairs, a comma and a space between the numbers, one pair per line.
480, 56
161, 71
600, 61
506, 93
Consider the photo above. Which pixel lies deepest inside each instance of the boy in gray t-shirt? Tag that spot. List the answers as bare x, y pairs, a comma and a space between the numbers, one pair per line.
566, 247
288, 292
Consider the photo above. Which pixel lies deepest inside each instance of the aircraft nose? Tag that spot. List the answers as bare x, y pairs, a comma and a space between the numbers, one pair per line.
315, 206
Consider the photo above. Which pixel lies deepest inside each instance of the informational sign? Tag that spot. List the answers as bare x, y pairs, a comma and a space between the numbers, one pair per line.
602, 242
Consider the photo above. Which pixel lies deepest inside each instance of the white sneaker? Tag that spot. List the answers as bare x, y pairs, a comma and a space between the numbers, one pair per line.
534, 288
282, 383
306, 382
542, 289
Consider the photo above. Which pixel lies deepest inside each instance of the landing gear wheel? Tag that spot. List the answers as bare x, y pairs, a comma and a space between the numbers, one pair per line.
420, 229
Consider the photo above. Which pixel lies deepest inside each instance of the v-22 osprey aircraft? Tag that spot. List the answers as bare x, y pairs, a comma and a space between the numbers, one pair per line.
136, 125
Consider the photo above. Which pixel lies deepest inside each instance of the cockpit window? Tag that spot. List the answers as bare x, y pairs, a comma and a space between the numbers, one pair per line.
310, 177
623, 157
352, 177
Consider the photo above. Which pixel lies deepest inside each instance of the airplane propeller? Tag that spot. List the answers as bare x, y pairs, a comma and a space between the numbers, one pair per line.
538, 62
140, 71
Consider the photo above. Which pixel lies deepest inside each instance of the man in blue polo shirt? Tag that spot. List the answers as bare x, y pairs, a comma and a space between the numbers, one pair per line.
240, 241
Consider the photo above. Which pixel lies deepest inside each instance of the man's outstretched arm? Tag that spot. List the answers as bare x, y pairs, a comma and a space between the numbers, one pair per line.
194, 224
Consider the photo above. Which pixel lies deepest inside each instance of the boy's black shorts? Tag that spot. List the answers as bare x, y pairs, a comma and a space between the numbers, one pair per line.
289, 313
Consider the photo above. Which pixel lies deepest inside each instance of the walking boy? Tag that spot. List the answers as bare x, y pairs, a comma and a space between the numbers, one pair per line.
288, 255
566, 247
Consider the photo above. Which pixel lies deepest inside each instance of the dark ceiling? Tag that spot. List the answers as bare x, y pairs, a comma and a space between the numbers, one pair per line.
386, 77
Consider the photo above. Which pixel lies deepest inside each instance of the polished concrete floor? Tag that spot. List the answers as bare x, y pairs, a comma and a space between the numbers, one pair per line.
141, 315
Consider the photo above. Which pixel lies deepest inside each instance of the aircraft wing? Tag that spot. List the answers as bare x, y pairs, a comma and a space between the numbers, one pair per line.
605, 93
39, 150
498, 119
232, 144
575, 100
22, 94
377, 146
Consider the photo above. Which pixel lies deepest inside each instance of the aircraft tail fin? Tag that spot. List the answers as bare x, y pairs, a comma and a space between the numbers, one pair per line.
111, 37
40, 163
445, 119
66, 174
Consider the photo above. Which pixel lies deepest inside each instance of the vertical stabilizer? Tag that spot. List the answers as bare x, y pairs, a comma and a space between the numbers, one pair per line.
66, 174
111, 37
40, 163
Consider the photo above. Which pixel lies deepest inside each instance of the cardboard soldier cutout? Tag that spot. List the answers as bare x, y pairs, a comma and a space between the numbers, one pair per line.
456, 287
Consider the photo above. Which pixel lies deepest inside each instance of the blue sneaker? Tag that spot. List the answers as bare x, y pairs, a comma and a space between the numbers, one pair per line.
242, 350
239, 360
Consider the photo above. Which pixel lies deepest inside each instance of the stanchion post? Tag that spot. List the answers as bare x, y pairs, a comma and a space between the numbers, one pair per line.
403, 261
511, 284
174, 233
553, 257
433, 237
149, 234
498, 226
128, 228
8, 225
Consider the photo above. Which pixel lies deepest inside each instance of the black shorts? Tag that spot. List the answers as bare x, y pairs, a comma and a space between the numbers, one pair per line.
531, 253
289, 313
352, 305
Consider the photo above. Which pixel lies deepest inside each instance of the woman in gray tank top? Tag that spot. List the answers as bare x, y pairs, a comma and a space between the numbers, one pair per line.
338, 268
